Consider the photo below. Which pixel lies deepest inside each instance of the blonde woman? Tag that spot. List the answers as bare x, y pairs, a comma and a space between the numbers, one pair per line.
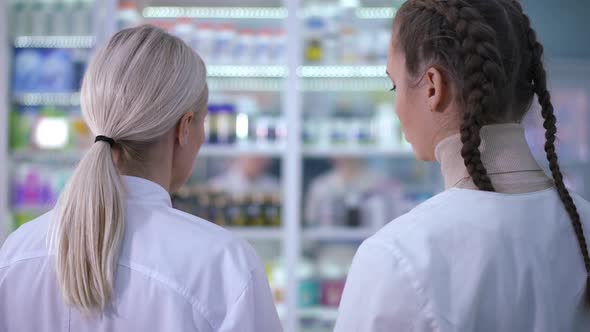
114, 255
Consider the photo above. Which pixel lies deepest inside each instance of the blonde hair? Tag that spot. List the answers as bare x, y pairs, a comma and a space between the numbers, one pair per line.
134, 91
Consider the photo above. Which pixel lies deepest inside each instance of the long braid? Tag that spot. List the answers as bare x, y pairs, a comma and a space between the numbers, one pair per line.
539, 78
479, 51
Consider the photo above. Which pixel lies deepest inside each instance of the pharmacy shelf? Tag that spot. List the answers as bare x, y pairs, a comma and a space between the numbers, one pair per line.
338, 234
258, 233
275, 84
42, 99
205, 151
258, 13
46, 156
323, 313
235, 151
245, 84
247, 71
368, 71
54, 42
358, 151
376, 13
346, 85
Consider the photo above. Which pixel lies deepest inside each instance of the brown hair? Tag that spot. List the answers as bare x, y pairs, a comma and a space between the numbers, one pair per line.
489, 51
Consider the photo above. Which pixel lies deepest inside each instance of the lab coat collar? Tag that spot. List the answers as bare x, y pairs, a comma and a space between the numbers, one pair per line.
145, 191
504, 149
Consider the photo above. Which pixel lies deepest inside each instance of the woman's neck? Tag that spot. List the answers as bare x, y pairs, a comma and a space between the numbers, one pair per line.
506, 156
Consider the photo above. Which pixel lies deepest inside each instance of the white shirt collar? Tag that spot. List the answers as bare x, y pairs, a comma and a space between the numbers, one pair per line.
146, 191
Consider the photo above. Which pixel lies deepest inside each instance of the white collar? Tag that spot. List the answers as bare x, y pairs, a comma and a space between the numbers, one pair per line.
145, 191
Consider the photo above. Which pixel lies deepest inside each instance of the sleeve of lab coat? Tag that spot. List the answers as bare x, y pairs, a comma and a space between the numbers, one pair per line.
254, 310
381, 294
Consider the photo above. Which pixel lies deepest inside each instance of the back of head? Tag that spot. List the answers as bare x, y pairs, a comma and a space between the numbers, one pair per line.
135, 90
490, 54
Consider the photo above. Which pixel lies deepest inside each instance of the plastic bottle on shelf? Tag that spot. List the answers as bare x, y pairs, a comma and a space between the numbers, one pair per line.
184, 30
381, 45
278, 283
366, 47
213, 135
272, 210
262, 49
353, 209
333, 264
388, 130
278, 50
243, 47
81, 18
127, 15
223, 42
226, 124
205, 35
308, 288
21, 14
41, 17
246, 108
315, 27
60, 24
348, 34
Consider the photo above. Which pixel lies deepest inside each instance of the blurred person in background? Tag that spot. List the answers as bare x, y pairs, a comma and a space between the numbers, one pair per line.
248, 174
504, 247
331, 192
114, 255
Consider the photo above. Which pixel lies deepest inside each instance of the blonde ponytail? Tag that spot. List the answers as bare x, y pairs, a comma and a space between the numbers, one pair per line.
91, 214
134, 91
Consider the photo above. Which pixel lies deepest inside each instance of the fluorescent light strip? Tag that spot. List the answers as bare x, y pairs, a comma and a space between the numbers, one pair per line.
216, 12
54, 42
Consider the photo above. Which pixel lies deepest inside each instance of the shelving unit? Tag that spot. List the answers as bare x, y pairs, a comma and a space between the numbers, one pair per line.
258, 233
338, 234
359, 152
42, 99
54, 41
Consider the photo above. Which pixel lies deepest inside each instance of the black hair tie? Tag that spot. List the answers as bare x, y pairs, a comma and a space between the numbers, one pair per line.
104, 139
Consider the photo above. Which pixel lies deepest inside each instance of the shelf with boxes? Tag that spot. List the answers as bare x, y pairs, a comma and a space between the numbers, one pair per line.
255, 209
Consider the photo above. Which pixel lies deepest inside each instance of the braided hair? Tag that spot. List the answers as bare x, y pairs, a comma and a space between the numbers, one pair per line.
490, 52
539, 78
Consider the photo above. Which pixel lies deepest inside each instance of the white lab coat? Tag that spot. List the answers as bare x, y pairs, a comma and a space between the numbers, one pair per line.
471, 261
176, 272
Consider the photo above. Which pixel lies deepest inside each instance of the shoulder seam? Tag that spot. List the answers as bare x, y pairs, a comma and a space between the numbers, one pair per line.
193, 301
410, 274
33, 255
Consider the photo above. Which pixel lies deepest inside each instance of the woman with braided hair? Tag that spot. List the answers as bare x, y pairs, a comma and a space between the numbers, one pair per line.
503, 247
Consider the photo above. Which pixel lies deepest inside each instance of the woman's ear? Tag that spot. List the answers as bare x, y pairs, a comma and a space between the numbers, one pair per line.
183, 128
438, 91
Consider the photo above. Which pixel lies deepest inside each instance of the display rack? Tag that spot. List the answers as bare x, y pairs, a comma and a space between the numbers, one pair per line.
292, 80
